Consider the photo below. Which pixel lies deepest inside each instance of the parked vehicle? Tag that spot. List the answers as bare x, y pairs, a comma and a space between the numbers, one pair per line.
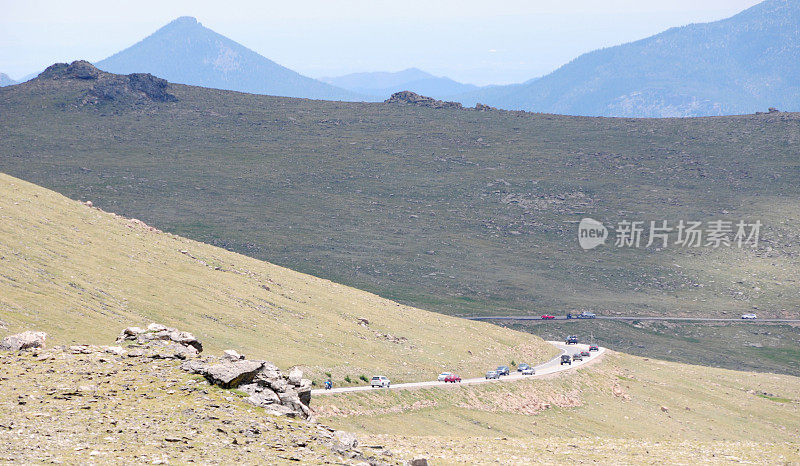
503, 370
565, 359
452, 378
569, 315
492, 375
594, 348
572, 340
587, 315
328, 385
585, 354
547, 317
380, 381
522, 367
443, 376
577, 357
749, 316
528, 371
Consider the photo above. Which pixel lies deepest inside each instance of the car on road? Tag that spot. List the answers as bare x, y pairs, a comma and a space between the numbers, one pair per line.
443, 376
749, 316
577, 357
452, 378
522, 367
528, 371
547, 317
572, 340
492, 375
594, 348
503, 370
565, 359
586, 315
380, 381
585, 354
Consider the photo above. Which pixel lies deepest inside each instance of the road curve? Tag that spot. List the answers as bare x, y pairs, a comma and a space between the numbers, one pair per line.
550, 367
673, 319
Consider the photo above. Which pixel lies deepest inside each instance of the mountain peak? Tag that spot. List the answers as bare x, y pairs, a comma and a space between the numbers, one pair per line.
184, 51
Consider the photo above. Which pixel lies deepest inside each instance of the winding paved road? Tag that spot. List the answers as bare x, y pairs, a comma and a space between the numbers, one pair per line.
549, 367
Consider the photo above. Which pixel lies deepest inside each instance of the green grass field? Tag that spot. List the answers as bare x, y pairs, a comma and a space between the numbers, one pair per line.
455, 211
748, 347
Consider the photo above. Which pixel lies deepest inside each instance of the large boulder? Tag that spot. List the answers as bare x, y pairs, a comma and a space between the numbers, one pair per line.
231, 374
159, 332
23, 341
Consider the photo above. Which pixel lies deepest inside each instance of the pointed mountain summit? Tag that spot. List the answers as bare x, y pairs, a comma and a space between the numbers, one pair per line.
184, 51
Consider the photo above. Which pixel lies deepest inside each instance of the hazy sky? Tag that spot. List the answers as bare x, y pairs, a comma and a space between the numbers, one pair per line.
481, 41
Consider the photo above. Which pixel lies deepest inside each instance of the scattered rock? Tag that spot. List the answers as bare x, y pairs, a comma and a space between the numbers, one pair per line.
345, 440
664, 409
23, 341
418, 462
483, 108
363, 321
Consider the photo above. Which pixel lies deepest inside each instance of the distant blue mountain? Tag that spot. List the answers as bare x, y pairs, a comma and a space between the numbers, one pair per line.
186, 52
382, 84
742, 64
5, 80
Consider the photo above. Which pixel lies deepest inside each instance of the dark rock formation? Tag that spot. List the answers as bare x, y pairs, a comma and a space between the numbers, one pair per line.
412, 98
108, 86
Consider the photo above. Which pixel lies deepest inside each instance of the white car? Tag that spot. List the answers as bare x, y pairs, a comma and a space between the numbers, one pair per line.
528, 371
443, 376
749, 316
380, 381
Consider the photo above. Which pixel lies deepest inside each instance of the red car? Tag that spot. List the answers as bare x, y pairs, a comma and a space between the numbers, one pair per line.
452, 378
548, 317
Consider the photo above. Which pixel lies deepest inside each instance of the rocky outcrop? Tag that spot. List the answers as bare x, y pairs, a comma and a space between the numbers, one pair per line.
108, 86
79, 69
266, 386
161, 337
137, 86
23, 341
412, 98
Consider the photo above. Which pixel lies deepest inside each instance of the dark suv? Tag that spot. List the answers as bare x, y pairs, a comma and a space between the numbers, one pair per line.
565, 359
503, 370
572, 340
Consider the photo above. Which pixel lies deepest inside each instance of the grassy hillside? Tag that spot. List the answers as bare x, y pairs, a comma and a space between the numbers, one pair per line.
456, 211
737, 346
608, 412
82, 274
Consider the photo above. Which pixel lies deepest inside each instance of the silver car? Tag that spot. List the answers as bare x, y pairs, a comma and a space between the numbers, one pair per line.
528, 371
492, 375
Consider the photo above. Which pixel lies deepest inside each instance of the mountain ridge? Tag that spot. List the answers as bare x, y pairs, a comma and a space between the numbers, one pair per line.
737, 65
384, 83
